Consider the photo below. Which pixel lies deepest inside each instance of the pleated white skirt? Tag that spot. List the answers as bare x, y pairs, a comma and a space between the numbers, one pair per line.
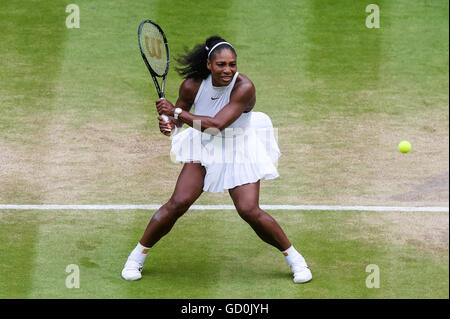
244, 153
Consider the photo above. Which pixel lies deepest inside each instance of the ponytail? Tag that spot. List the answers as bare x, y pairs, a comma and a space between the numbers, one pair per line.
193, 63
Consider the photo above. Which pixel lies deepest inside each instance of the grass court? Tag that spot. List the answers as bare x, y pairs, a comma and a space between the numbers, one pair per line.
78, 126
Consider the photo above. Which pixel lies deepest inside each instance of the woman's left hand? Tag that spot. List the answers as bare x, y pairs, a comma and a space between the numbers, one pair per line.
164, 107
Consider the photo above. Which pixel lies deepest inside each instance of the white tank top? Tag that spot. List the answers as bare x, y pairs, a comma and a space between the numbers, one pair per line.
211, 99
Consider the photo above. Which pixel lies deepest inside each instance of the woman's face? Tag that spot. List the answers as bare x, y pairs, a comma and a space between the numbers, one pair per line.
223, 66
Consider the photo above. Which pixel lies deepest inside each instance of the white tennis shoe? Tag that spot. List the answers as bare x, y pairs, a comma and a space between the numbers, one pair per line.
301, 272
132, 270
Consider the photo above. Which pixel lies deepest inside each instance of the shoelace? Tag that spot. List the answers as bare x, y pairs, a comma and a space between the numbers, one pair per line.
299, 268
131, 264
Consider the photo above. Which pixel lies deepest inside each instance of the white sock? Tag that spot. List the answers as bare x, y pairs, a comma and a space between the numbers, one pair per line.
292, 255
139, 253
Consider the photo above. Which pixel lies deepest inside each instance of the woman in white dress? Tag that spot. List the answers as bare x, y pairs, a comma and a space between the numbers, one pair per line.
226, 147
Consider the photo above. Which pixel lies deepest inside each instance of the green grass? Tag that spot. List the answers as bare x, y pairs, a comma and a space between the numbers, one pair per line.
78, 125
211, 254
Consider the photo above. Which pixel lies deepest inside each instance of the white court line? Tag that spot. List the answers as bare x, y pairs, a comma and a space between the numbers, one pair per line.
229, 207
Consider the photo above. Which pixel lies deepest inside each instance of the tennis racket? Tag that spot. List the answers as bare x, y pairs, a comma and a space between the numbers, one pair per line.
155, 53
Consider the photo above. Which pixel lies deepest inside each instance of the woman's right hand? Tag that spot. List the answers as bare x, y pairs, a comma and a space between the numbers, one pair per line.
166, 127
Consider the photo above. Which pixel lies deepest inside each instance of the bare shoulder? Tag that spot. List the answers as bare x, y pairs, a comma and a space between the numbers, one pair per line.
244, 90
244, 82
189, 89
244, 86
191, 84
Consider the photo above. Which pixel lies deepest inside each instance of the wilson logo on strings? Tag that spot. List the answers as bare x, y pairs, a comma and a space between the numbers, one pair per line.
153, 50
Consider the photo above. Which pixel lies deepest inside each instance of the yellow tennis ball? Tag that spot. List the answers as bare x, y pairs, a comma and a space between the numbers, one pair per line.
404, 146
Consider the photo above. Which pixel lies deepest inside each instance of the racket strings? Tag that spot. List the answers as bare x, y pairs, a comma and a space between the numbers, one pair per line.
154, 49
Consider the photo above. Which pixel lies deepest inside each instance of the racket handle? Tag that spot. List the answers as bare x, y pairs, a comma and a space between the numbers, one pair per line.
165, 117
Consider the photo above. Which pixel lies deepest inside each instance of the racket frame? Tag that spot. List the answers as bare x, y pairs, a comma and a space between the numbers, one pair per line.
160, 90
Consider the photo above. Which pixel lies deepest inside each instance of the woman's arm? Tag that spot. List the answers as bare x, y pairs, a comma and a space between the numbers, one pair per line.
186, 96
242, 96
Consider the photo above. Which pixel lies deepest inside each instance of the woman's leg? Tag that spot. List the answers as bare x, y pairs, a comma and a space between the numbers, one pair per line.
246, 201
188, 188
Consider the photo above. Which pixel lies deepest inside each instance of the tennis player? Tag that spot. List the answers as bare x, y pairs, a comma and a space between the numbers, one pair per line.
221, 150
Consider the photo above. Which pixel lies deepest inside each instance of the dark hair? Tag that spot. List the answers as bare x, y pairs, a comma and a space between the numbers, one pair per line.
193, 63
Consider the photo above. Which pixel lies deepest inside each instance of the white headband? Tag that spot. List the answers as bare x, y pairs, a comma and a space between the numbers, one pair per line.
212, 49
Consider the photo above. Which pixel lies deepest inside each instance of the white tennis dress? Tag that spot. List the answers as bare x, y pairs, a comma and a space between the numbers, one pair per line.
243, 153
